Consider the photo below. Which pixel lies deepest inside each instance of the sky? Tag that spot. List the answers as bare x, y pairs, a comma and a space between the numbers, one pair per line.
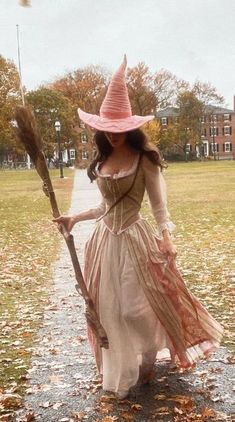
193, 39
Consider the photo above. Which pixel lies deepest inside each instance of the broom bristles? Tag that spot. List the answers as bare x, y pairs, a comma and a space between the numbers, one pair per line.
27, 132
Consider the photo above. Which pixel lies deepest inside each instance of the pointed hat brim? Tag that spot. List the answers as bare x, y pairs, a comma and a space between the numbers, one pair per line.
113, 125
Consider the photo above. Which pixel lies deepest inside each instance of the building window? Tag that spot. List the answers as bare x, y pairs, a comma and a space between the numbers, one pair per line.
227, 117
213, 118
203, 133
227, 130
72, 154
85, 155
164, 121
202, 119
227, 146
83, 138
214, 131
188, 148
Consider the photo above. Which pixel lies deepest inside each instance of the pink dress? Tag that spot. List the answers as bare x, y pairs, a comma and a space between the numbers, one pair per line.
141, 298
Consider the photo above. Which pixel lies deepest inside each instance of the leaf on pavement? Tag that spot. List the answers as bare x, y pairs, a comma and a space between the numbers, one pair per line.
136, 406
159, 397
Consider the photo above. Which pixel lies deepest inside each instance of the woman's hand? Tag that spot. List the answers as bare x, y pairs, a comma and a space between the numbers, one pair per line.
169, 248
166, 245
67, 220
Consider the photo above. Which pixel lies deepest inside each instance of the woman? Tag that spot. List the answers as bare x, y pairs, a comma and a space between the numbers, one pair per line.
140, 296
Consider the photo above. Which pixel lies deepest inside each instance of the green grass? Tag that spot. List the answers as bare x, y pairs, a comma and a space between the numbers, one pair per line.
29, 243
201, 200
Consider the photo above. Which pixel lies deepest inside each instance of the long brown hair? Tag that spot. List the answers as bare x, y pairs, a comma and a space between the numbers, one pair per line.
135, 138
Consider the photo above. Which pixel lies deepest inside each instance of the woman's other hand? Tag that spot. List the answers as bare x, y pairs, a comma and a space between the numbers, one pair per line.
67, 220
167, 245
169, 248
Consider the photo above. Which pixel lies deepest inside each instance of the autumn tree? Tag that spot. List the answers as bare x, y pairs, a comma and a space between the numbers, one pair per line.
48, 106
149, 91
9, 98
167, 87
190, 112
84, 88
140, 88
207, 93
152, 130
169, 139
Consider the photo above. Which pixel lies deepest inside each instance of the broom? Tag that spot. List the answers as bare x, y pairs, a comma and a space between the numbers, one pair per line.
30, 137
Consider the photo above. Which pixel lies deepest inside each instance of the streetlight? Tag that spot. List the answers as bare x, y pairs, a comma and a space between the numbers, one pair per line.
58, 128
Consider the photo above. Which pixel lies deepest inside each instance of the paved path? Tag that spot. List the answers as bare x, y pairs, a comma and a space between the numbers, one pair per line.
63, 382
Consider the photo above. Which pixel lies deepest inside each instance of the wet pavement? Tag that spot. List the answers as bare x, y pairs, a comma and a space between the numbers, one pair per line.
63, 382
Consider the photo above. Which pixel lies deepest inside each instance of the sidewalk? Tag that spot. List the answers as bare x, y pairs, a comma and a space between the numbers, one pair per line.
63, 382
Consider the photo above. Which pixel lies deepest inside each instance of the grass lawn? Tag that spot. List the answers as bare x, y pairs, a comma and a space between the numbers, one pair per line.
201, 198
29, 242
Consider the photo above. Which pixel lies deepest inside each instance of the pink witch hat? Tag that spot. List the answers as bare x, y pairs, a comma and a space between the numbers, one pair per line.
115, 111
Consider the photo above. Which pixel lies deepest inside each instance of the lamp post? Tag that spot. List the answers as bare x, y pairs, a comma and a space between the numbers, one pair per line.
58, 128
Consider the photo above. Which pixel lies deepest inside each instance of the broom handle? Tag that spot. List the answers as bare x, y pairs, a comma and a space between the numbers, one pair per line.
92, 316
31, 139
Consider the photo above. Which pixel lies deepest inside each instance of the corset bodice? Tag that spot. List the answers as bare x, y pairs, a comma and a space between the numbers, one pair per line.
127, 210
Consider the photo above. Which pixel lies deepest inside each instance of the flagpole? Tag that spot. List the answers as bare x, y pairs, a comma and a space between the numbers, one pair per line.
20, 76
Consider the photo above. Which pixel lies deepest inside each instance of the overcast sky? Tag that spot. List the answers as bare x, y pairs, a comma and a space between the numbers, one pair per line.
194, 39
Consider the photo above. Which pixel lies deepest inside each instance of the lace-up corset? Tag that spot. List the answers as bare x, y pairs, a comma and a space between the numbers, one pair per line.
126, 212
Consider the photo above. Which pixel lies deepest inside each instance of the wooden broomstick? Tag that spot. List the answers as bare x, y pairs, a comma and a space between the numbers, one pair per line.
31, 139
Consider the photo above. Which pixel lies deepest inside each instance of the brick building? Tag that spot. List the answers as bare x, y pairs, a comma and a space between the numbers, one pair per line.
217, 131
85, 149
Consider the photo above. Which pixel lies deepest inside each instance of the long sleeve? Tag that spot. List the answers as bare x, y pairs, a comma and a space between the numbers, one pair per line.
156, 188
92, 213
98, 210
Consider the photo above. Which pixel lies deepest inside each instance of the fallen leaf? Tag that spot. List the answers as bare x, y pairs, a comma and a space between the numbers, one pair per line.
28, 417
11, 401
78, 416
106, 407
161, 411
127, 416
179, 411
46, 404
57, 405
6, 418
185, 401
159, 397
107, 399
136, 406
208, 413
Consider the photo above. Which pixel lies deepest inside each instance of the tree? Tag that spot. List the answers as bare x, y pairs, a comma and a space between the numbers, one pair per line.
166, 87
9, 98
84, 88
186, 129
207, 93
169, 139
150, 92
189, 124
50, 105
140, 88
152, 130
